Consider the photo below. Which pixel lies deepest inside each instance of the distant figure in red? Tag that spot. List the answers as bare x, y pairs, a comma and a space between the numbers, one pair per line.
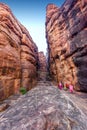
66, 86
60, 86
71, 88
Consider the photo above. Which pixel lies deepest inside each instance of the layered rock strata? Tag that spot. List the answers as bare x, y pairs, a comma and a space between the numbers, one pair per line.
66, 33
42, 68
18, 55
42, 61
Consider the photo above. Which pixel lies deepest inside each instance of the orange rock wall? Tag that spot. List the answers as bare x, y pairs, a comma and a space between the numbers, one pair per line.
18, 55
42, 62
66, 33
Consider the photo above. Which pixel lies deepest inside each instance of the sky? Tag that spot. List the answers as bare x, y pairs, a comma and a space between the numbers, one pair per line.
32, 14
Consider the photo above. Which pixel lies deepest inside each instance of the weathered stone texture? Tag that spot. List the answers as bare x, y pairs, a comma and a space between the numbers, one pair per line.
45, 108
18, 55
66, 33
42, 68
42, 61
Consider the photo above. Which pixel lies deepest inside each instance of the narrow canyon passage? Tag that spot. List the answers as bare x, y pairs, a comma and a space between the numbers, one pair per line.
78, 98
45, 107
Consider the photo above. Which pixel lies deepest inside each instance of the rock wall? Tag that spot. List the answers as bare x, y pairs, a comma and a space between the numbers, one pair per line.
42, 69
42, 61
66, 33
18, 55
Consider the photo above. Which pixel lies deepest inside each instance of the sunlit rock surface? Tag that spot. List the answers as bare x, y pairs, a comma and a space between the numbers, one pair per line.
18, 55
66, 33
45, 108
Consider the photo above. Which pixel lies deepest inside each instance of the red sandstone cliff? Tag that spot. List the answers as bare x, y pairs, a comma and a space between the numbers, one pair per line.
42, 61
42, 69
66, 33
18, 55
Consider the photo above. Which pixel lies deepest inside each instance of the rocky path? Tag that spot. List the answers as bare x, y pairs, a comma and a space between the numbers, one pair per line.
44, 108
79, 99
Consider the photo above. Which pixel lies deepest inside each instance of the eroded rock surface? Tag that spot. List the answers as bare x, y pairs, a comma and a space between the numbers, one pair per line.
44, 108
42, 69
18, 55
66, 32
42, 62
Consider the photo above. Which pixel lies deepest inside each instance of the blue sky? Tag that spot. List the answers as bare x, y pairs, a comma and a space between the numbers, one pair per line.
32, 14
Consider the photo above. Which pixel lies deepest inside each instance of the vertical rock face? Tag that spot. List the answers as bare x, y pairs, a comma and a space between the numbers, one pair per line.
42, 66
42, 61
18, 55
66, 33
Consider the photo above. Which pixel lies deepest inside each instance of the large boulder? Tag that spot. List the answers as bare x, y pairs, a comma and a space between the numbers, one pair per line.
18, 55
44, 108
66, 33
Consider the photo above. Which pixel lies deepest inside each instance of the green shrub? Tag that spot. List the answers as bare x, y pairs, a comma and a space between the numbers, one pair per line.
23, 90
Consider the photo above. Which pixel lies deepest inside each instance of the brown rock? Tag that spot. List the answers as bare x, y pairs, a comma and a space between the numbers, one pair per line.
3, 107
42, 68
66, 33
42, 61
18, 55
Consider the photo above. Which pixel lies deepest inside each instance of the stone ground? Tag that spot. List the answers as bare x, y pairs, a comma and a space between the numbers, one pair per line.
79, 99
45, 107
